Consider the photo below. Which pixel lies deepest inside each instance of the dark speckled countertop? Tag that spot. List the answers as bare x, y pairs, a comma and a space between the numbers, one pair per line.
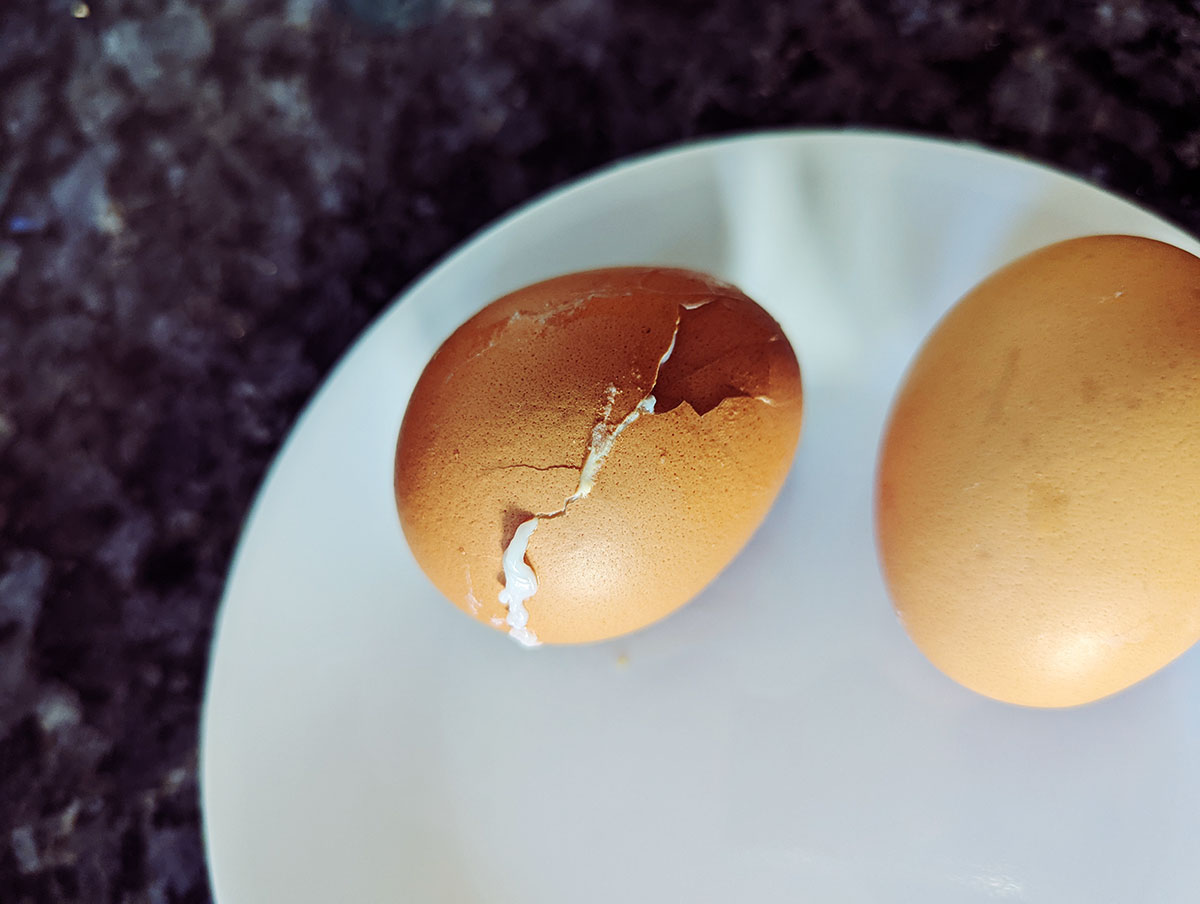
202, 202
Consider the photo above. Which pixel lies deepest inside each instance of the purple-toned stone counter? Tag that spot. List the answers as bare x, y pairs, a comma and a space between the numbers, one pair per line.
202, 202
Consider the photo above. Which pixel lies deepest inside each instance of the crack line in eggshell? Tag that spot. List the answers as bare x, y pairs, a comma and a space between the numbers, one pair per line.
520, 581
499, 328
717, 288
519, 577
536, 467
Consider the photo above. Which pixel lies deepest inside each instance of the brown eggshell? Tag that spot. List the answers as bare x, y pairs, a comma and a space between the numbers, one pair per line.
1039, 482
500, 423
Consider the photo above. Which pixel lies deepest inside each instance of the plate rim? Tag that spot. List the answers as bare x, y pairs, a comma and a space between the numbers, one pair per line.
559, 194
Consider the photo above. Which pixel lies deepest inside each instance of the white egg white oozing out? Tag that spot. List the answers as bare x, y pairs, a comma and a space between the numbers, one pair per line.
520, 581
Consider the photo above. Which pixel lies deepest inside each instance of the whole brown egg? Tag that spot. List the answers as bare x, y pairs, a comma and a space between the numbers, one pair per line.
1039, 481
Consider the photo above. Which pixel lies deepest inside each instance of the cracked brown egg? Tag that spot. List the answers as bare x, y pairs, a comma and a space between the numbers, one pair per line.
1039, 481
584, 455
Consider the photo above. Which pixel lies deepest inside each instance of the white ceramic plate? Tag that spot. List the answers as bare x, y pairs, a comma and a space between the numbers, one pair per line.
779, 739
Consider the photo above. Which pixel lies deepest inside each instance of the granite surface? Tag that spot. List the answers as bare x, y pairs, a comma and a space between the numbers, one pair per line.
202, 202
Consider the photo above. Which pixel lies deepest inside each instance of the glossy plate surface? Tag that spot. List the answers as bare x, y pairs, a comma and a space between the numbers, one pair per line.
779, 739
